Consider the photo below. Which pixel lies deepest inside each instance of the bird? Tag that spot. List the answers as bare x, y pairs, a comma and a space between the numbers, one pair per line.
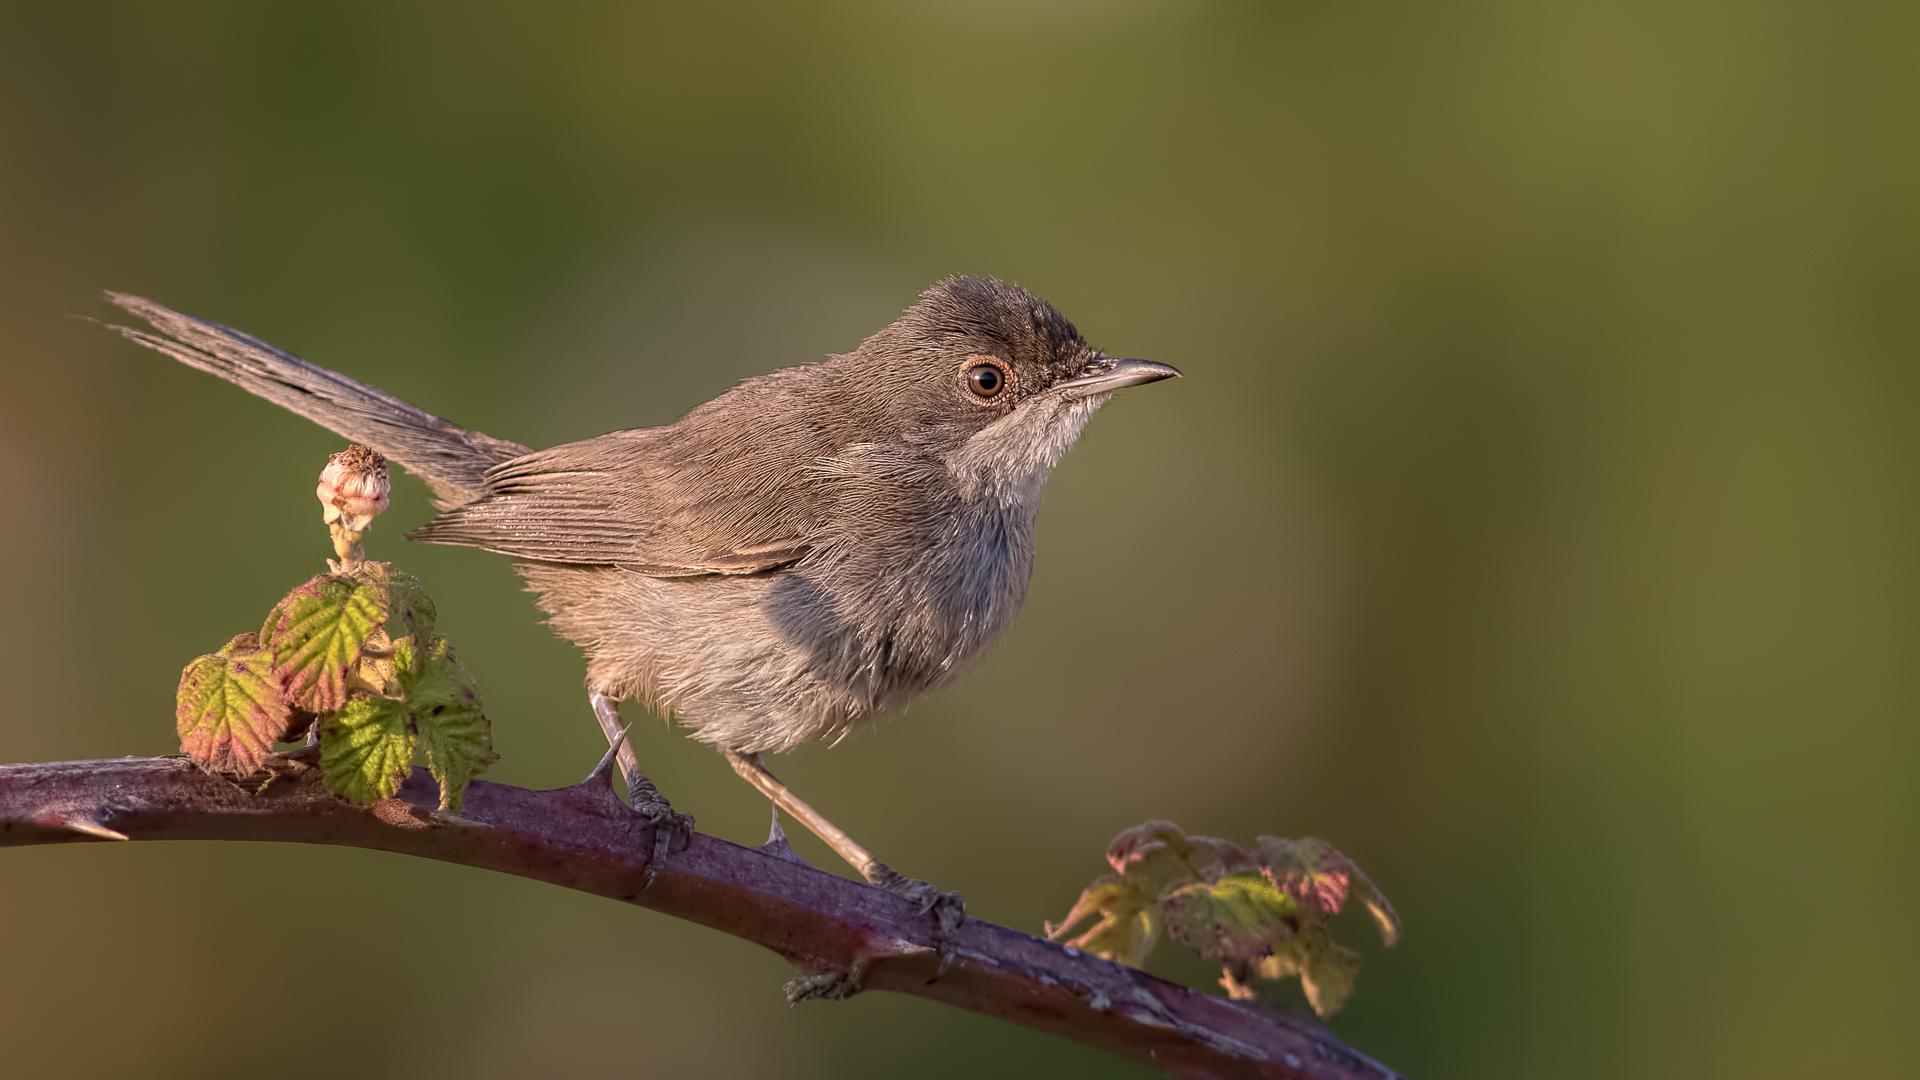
805, 553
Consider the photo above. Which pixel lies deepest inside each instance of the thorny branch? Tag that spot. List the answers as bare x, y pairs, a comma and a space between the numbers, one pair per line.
842, 935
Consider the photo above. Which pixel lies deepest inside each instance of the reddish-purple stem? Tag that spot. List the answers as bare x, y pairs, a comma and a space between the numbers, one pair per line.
584, 838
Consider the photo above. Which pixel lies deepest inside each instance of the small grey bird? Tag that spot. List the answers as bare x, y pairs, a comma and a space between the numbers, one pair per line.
802, 554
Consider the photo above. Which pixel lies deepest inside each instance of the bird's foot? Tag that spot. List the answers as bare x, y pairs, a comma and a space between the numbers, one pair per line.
671, 828
669, 825
824, 986
949, 909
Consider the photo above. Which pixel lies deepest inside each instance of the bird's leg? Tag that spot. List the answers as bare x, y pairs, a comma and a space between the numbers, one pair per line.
949, 908
646, 799
607, 712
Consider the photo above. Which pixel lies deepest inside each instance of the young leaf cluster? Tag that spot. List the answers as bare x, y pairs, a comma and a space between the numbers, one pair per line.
1262, 913
353, 656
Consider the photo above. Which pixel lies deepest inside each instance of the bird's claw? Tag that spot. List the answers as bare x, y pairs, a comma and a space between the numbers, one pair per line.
669, 827
949, 909
836, 985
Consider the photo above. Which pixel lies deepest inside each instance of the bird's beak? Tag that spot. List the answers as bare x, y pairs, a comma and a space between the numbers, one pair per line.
1106, 374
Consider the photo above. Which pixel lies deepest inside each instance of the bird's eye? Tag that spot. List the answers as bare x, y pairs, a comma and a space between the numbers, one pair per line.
986, 380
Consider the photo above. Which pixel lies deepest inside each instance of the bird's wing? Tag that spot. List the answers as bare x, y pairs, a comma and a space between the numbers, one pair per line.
659, 502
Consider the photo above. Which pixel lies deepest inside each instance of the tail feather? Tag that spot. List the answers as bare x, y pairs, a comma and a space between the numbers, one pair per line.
452, 460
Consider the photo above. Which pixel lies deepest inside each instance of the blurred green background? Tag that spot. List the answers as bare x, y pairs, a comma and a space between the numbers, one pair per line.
1537, 520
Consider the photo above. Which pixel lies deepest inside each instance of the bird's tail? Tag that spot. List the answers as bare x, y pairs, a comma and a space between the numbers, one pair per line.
452, 460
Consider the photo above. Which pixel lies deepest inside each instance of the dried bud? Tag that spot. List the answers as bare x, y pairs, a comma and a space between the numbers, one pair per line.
353, 488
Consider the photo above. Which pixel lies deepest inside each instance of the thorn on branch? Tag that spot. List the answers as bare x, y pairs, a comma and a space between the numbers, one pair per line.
401, 813
602, 774
777, 845
92, 828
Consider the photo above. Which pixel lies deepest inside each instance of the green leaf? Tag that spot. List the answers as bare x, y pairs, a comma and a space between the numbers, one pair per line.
431, 676
316, 635
1239, 918
1152, 861
366, 749
1326, 970
448, 715
411, 611
229, 708
403, 654
1128, 926
1263, 913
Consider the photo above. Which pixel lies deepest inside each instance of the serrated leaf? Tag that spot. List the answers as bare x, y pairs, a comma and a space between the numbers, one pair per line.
1159, 855
1262, 913
1128, 926
411, 612
1311, 871
451, 722
1213, 858
1326, 970
1149, 852
430, 676
366, 749
403, 654
1321, 879
229, 708
1239, 918
316, 635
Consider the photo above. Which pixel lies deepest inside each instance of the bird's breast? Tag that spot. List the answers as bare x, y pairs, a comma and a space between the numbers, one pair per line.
901, 611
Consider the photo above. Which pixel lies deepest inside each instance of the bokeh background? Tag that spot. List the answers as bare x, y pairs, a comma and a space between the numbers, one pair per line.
1537, 520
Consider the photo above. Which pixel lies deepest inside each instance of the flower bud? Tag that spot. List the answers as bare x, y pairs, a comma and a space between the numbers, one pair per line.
353, 488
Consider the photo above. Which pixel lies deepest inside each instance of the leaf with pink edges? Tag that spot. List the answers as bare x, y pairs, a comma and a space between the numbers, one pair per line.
410, 611
1262, 913
1311, 871
316, 635
229, 709
1159, 855
1151, 852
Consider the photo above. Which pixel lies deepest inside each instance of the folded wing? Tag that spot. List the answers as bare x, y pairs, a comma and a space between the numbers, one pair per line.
662, 502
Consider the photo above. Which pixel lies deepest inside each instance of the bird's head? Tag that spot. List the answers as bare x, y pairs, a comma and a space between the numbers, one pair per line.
991, 379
